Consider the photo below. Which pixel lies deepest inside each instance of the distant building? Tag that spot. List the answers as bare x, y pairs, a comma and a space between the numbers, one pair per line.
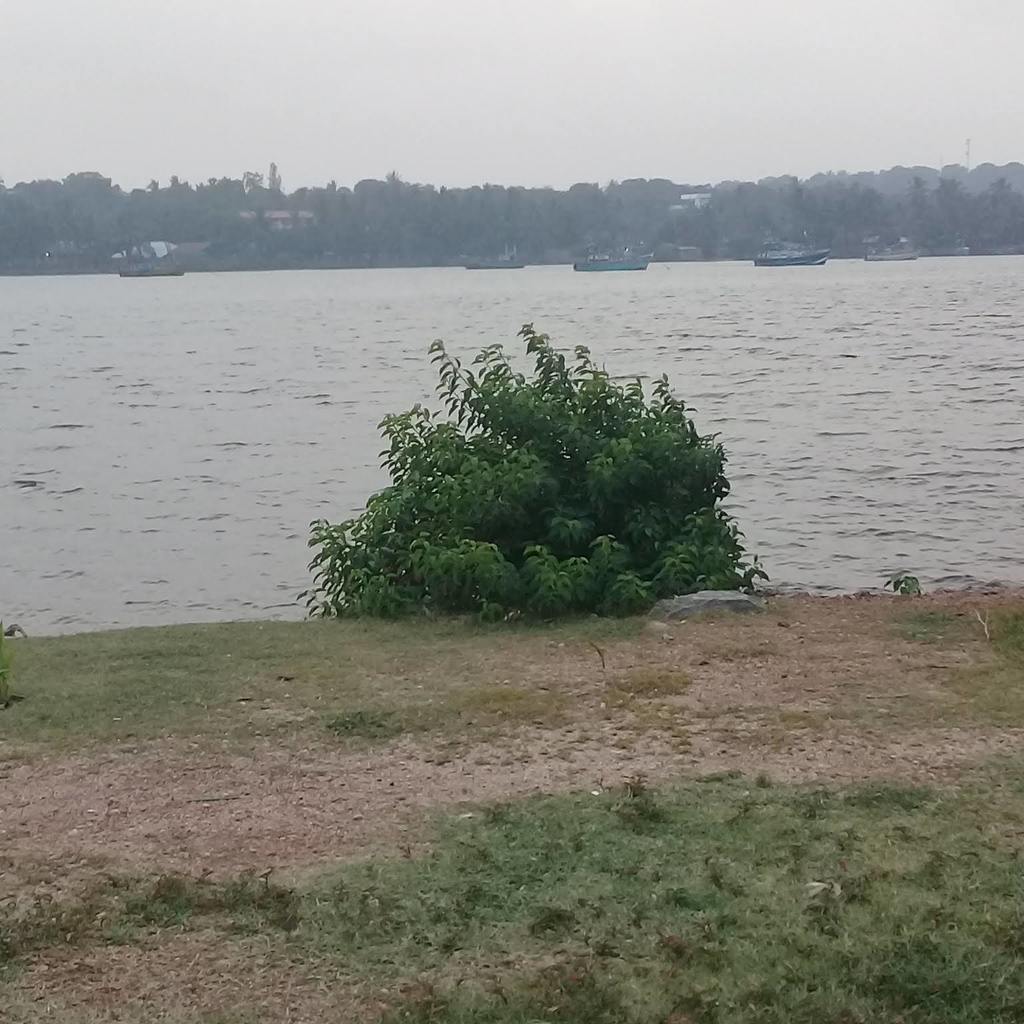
282, 220
692, 201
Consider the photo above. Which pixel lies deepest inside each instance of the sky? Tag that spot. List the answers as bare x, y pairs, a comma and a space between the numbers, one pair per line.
533, 92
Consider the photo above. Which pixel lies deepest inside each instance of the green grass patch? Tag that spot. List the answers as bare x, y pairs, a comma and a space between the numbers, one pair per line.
370, 725
994, 690
469, 708
252, 904
937, 626
1007, 632
718, 901
117, 911
257, 679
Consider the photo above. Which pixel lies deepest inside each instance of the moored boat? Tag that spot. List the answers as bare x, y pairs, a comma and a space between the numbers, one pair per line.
890, 257
783, 254
152, 271
898, 253
603, 261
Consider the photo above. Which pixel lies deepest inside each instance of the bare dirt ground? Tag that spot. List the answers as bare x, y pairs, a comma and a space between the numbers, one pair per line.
813, 690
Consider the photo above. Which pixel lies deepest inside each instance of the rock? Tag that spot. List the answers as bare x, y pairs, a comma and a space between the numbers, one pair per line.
672, 609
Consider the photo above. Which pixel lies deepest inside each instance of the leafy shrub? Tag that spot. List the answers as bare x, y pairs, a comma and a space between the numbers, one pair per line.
562, 491
904, 584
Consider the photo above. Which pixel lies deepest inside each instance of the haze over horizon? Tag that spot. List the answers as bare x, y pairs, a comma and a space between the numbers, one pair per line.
466, 91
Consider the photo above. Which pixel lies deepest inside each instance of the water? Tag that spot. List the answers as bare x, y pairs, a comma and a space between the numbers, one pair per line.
166, 442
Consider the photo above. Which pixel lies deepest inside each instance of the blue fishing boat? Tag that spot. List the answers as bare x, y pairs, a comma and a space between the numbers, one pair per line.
603, 261
785, 254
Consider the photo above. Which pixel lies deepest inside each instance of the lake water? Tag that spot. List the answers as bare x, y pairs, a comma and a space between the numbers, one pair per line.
166, 442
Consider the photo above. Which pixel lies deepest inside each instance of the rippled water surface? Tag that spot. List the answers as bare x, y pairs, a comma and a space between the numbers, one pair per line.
166, 442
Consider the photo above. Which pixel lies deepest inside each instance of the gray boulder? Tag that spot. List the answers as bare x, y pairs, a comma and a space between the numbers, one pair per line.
675, 609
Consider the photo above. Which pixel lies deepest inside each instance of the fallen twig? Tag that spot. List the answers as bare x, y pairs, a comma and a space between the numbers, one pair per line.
214, 799
600, 653
984, 624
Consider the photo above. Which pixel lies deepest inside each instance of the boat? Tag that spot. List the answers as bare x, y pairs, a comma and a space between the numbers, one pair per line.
148, 259
898, 253
784, 254
151, 270
509, 260
604, 261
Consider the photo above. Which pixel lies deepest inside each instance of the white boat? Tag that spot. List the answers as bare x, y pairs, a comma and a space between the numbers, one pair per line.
899, 253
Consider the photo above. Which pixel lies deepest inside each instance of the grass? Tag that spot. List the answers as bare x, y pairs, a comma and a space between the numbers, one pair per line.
256, 679
718, 902
1008, 635
937, 626
120, 911
990, 689
640, 702
995, 689
724, 900
372, 682
371, 725
650, 682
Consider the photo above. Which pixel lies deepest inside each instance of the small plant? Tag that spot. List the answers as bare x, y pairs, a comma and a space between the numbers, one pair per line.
250, 901
371, 725
6, 669
552, 493
904, 584
638, 807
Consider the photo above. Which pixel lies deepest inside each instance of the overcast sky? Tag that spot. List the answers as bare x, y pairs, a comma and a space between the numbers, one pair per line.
509, 91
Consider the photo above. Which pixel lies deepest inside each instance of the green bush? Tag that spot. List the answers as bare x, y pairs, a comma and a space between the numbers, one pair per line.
558, 492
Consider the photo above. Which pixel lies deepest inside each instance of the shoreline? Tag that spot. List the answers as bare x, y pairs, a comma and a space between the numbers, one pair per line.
990, 589
113, 272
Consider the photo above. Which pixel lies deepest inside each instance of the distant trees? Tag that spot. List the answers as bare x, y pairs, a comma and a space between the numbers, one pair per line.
78, 223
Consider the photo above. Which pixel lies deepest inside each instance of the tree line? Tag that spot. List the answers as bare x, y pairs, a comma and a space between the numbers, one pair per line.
82, 221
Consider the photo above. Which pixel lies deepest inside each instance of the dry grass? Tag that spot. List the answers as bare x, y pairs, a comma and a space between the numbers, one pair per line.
993, 688
498, 706
651, 682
